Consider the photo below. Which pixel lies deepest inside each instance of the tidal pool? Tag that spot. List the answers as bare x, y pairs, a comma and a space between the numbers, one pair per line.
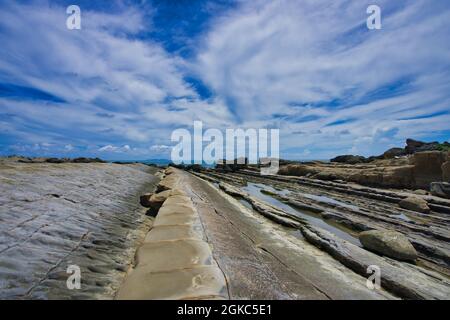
255, 189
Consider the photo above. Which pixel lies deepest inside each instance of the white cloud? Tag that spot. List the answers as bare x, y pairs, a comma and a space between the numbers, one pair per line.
281, 62
111, 148
160, 147
116, 87
269, 64
107, 148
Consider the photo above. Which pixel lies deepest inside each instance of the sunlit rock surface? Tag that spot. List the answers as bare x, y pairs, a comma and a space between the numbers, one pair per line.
56, 215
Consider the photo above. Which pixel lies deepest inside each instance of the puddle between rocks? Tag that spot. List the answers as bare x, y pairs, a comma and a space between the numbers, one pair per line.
255, 189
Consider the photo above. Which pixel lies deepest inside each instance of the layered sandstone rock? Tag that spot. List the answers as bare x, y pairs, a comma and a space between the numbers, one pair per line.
174, 262
427, 167
417, 171
446, 171
144, 200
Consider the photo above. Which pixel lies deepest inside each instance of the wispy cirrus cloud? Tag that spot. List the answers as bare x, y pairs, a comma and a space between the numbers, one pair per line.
314, 67
310, 68
102, 85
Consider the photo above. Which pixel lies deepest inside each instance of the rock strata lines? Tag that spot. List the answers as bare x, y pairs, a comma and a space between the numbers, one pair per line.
175, 262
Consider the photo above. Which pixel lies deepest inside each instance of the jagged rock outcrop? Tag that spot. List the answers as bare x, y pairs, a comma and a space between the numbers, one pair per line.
413, 146
440, 189
389, 243
394, 152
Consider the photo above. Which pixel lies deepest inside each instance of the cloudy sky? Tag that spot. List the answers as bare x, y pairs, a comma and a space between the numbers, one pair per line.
137, 70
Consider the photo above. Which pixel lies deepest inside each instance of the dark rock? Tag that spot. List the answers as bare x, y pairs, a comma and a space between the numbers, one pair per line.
56, 160
157, 200
349, 159
145, 200
394, 152
88, 160
412, 145
440, 189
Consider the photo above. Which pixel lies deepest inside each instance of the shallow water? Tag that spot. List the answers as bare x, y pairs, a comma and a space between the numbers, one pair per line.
245, 203
255, 189
330, 201
401, 216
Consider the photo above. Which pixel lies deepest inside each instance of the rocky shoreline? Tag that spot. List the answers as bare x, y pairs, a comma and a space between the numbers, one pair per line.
142, 232
355, 209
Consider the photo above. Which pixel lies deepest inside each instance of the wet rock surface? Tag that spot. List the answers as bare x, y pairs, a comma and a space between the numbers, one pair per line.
263, 259
331, 215
56, 215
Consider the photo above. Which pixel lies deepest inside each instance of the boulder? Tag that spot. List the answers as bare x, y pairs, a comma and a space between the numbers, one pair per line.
389, 243
169, 182
157, 199
440, 189
169, 171
427, 167
415, 204
145, 200
421, 192
349, 159
412, 145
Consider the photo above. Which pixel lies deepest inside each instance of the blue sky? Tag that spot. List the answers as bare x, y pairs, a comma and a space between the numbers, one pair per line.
140, 69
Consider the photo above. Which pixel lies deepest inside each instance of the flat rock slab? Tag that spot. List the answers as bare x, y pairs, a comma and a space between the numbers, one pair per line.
194, 283
56, 215
172, 255
406, 280
170, 219
161, 233
263, 260
180, 268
